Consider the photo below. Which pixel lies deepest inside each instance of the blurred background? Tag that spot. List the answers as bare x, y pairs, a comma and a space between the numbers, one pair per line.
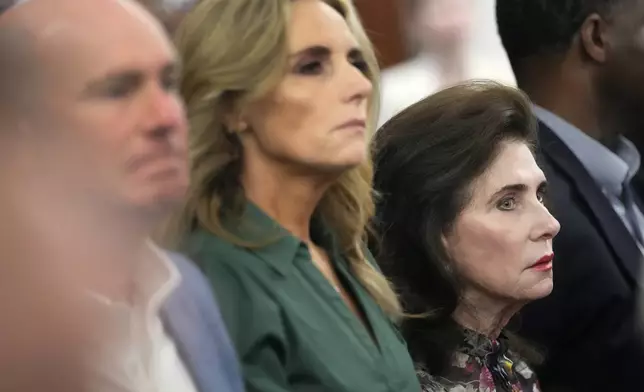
388, 24
424, 45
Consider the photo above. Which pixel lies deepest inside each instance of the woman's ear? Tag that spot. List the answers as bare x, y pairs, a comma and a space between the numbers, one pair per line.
235, 122
447, 247
445, 243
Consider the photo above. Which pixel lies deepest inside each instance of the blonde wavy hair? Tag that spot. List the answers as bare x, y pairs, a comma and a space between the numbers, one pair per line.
233, 52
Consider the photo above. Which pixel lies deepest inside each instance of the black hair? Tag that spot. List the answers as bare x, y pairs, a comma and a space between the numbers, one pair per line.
535, 27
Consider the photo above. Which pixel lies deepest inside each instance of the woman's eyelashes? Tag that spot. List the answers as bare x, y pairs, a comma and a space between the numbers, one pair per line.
320, 66
511, 201
507, 203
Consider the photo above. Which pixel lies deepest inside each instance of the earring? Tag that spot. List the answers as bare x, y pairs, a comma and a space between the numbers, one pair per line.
236, 129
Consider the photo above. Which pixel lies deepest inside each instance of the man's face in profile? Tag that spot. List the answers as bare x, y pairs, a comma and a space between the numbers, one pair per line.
103, 120
113, 119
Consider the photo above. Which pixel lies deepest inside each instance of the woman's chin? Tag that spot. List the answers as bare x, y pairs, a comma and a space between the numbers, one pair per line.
540, 290
340, 164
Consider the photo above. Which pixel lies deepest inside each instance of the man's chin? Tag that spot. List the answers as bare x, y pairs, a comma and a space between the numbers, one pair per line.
170, 199
162, 202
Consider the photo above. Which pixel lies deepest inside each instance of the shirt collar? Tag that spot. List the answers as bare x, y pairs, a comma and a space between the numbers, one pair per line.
273, 243
170, 279
611, 170
155, 280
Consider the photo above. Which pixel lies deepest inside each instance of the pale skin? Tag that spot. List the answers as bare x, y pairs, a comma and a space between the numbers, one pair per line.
88, 168
295, 140
499, 237
105, 159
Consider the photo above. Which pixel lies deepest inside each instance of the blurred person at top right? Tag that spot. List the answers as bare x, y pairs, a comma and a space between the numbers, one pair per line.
451, 41
438, 32
281, 96
582, 64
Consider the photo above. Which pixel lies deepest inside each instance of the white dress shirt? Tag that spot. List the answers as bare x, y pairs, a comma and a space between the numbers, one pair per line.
140, 356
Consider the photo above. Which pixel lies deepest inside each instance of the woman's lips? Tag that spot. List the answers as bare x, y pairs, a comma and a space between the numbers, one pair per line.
544, 263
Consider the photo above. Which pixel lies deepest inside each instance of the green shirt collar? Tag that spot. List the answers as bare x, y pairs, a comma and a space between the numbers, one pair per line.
273, 243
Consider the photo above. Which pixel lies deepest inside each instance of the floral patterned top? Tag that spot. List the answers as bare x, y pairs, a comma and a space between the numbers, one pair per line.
482, 364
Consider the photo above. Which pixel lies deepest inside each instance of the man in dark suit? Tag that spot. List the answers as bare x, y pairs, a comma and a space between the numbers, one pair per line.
582, 64
93, 156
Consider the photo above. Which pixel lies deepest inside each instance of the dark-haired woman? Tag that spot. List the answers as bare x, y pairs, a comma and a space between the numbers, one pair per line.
465, 234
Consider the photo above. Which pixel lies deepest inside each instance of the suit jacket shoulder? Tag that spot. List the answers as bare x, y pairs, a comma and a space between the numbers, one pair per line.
192, 317
589, 325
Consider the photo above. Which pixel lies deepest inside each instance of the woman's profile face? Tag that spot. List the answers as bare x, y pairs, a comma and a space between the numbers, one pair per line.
315, 119
501, 243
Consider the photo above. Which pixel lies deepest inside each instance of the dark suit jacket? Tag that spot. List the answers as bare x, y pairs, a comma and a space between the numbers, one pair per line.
192, 318
590, 325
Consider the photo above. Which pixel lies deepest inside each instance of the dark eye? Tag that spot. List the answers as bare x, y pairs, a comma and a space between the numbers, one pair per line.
311, 68
541, 196
362, 66
118, 90
170, 82
118, 86
507, 204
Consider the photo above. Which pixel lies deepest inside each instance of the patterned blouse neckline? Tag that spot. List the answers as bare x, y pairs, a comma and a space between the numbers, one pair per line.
481, 364
482, 346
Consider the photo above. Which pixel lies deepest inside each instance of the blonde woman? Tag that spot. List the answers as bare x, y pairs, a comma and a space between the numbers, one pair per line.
280, 97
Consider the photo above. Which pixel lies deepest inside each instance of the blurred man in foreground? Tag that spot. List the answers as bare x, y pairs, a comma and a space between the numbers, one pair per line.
93, 156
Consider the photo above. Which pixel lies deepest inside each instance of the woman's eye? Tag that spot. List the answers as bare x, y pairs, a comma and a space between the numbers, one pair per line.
541, 196
362, 66
312, 68
507, 204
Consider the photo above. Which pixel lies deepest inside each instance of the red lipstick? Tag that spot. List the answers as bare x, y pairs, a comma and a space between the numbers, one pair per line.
544, 263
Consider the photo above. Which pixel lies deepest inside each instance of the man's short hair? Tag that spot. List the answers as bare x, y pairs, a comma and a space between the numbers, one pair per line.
534, 27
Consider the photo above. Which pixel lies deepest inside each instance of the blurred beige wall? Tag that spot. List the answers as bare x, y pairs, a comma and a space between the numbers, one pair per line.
486, 57
486, 54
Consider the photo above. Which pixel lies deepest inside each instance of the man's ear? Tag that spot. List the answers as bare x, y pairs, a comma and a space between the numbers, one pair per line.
593, 37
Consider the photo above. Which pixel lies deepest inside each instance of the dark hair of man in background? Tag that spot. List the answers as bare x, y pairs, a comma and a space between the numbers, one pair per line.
549, 42
583, 61
544, 26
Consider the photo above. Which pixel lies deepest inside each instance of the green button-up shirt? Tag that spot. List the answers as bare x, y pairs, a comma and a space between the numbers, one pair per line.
292, 330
